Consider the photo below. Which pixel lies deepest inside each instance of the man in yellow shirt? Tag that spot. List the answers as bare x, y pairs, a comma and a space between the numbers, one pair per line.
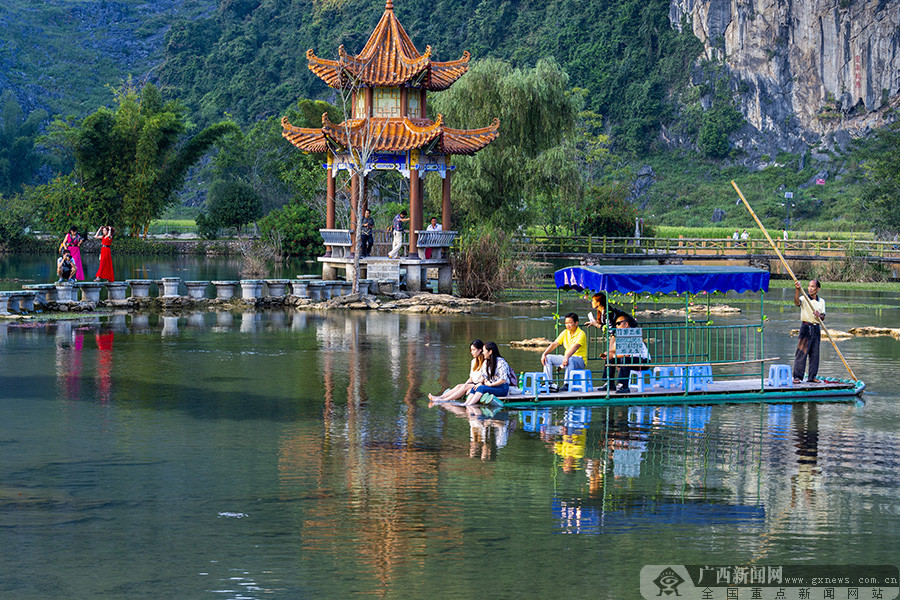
574, 340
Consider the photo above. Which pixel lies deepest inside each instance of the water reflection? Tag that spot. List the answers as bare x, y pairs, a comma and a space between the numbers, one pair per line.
315, 426
104, 365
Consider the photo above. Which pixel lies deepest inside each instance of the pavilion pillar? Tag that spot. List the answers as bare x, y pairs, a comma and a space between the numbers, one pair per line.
445, 201
329, 203
404, 101
415, 212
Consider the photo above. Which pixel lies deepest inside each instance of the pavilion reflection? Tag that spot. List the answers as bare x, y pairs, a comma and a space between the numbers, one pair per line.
389, 467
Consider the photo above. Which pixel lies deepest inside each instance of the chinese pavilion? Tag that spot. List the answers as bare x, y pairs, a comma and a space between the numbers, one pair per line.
388, 81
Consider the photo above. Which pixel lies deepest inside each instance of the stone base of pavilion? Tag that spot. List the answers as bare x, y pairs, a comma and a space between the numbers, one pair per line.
380, 268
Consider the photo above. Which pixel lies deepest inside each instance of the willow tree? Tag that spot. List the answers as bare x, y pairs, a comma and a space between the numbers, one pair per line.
531, 170
129, 160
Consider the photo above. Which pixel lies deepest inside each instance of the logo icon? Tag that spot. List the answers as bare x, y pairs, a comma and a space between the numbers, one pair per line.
668, 582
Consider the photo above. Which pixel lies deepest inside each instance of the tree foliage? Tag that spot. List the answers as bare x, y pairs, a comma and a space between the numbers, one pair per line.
17, 214
263, 158
298, 224
608, 212
18, 133
531, 159
881, 194
129, 160
247, 59
233, 204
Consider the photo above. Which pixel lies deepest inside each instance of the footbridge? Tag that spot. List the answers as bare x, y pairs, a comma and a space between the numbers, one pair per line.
676, 250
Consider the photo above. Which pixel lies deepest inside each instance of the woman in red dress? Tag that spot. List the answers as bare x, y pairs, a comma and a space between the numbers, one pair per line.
104, 234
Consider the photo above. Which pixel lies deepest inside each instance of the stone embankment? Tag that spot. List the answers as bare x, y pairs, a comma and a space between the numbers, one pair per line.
304, 293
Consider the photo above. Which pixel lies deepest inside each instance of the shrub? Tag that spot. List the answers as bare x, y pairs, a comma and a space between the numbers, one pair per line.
298, 225
609, 213
233, 204
485, 263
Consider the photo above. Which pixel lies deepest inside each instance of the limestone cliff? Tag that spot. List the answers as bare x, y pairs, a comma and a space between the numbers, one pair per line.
806, 72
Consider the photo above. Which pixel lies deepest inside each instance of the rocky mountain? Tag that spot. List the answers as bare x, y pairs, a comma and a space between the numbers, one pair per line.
60, 55
808, 73
805, 73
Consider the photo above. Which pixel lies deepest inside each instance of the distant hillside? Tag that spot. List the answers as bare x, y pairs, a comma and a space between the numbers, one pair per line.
61, 55
248, 58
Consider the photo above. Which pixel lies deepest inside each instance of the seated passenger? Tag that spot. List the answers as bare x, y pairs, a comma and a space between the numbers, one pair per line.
599, 316
475, 377
627, 363
574, 340
498, 376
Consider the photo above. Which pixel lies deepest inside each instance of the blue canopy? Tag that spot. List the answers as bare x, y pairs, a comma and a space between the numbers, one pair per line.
663, 279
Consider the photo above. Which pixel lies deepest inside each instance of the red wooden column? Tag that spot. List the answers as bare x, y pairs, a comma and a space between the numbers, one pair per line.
329, 202
445, 199
415, 212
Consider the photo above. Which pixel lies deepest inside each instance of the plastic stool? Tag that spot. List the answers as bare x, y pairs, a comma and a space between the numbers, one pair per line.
580, 380
535, 383
781, 376
668, 377
698, 376
641, 379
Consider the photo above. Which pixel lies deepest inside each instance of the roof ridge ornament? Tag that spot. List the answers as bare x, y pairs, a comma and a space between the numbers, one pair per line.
389, 5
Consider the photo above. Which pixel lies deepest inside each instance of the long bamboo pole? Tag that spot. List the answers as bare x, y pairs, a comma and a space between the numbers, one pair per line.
791, 273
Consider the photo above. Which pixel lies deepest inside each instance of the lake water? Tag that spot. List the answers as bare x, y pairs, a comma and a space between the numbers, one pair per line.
293, 455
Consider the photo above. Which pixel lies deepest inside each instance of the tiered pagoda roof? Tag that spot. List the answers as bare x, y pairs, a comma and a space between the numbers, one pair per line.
389, 59
390, 135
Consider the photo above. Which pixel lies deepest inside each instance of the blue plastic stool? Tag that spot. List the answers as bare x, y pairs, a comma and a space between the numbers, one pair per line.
781, 376
668, 377
698, 377
580, 380
641, 379
535, 383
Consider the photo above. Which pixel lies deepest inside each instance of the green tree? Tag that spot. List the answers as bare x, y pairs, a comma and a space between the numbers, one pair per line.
881, 195
608, 211
268, 162
298, 224
18, 133
17, 214
722, 118
130, 160
530, 168
233, 204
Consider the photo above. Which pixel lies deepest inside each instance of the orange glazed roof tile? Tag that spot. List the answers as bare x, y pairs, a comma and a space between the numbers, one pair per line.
389, 59
390, 135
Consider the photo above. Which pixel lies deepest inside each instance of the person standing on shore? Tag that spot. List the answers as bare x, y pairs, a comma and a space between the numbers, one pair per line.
810, 331
72, 243
397, 228
104, 234
366, 228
